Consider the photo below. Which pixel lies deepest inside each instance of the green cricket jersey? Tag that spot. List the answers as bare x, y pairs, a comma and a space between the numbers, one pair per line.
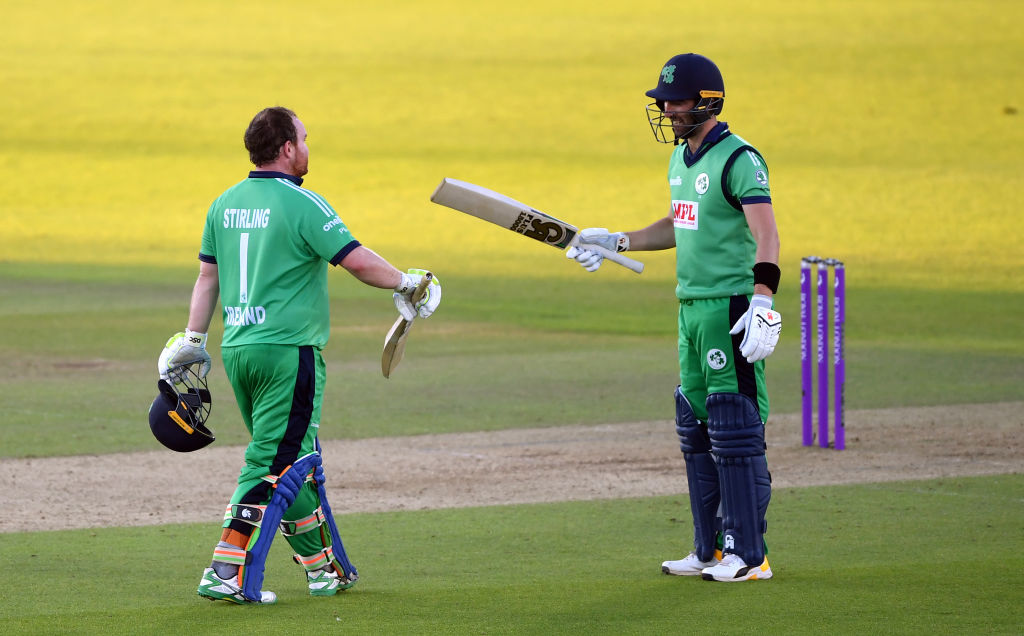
715, 250
271, 240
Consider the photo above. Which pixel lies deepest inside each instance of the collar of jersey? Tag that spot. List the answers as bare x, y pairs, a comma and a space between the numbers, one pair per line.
271, 174
715, 135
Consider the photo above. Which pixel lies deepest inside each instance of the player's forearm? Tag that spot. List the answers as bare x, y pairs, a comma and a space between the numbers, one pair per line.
370, 268
659, 235
767, 252
761, 220
204, 299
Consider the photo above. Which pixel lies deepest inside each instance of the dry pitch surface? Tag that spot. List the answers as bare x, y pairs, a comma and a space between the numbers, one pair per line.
508, 467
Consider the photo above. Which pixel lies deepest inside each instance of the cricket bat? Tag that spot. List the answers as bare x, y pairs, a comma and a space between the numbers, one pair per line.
520, 218
394, 342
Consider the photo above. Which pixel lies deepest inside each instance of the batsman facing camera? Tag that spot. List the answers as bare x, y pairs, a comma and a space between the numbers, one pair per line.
721, 224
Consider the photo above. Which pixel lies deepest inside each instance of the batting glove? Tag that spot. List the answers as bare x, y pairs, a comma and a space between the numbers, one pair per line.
762, 326
590, 260
182, 349
405, 289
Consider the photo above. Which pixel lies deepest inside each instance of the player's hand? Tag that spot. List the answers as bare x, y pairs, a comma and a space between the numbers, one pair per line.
184, 348
405, 289
591, 260
762, 326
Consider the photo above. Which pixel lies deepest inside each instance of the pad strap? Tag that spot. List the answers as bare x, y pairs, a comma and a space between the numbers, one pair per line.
246, 513
229, 555
317, 561
304, 525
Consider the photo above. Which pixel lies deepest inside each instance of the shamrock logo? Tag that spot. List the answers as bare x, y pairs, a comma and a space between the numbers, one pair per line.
668, 74
717, 359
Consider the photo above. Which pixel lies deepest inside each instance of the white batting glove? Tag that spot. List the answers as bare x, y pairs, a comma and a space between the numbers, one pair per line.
405, 289
184, 348
762, 326
590, 260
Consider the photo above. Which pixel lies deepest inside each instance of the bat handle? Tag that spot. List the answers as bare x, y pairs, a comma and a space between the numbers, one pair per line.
616, 257
417, 294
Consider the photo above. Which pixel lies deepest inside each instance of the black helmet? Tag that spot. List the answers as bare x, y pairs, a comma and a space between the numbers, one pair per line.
178, 416
686, 76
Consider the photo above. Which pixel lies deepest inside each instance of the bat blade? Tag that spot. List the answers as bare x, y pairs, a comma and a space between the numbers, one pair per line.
514, 215
505, 211
394, 346
394, 342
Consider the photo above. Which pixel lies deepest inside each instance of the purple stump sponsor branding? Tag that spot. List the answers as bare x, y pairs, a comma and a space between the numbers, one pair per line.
807, 393
838, 361
838, 354
822, 355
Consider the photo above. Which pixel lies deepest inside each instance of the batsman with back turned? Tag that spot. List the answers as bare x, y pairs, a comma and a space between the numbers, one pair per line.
264, 253
722, 226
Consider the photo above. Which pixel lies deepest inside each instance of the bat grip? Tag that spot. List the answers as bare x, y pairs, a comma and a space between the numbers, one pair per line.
615, 257
417, 294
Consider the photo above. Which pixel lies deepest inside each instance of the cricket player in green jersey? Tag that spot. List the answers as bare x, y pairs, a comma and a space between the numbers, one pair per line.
265, 249
722, 226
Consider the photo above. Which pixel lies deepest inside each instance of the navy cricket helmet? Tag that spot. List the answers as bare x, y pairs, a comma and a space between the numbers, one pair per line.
686, 76
178, 417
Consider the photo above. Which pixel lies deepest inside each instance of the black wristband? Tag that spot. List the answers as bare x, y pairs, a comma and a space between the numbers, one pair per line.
767, 274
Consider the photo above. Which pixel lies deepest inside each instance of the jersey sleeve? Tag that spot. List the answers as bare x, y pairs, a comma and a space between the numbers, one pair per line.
324, 231
208, 247
747, 181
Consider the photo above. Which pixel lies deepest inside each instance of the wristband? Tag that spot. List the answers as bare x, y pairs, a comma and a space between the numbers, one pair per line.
195, 339
406, 285
767, 274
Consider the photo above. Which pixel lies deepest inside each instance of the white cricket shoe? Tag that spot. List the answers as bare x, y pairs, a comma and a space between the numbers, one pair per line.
733, 568
215, 588
690, 565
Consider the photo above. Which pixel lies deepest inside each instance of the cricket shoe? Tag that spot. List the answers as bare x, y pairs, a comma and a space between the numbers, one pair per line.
215, 588
733, 568
691, 565
327, 583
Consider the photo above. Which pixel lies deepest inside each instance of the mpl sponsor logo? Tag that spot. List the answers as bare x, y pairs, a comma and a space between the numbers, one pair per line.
684, 214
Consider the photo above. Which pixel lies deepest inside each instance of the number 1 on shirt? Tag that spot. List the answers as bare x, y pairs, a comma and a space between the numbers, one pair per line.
243, 268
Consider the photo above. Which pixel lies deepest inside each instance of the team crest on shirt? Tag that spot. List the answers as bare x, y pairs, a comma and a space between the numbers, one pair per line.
702, 183
717, 359
762, 177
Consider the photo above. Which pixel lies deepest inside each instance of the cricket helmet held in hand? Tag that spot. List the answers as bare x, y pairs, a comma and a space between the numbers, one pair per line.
178, 415
686, 76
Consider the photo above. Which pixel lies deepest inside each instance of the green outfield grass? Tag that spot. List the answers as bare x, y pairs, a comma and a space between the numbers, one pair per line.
81, 372
924, 557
